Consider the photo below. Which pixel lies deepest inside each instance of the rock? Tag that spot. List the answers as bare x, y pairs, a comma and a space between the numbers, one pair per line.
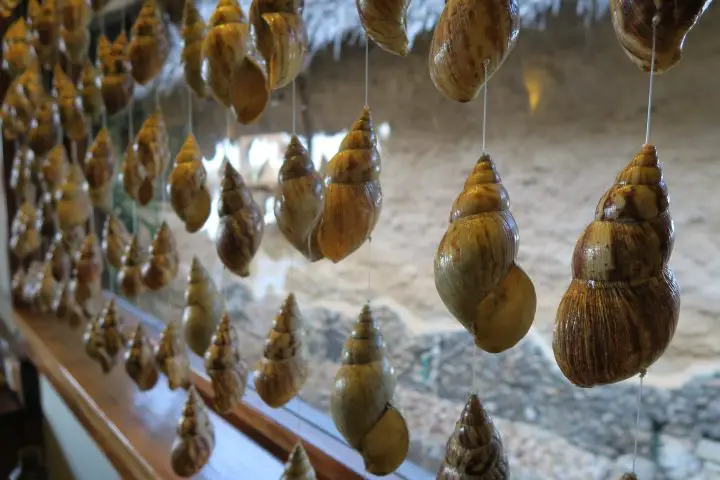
677, 458
644, 468
708, 450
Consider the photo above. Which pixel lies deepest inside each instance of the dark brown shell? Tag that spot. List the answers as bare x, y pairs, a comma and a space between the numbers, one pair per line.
163, 261
386, 23
195, 439
117, 84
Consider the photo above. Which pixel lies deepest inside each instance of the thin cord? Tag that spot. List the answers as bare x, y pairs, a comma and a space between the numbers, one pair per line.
637, 419
294, 122
131, 138
656, 19
367, 68
190, 109
485, 89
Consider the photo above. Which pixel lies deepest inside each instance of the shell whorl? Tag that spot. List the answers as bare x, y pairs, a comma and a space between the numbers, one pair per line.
99, 163
298, 466
149, 47
73, 204
130, 280
195, 438
163, 260
17, 48
139, 362
629, 476
225, 366
103, 338
117, 84
43, 133
193, 33
60, 258
90, 92
70, 105
171, 357
47, 288
189, 194
386, 23
204, 307
115, 239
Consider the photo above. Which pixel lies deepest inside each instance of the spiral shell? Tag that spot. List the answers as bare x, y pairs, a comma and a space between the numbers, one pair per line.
86, 284
281, 373
24, 236
21, 102
60, 259
298, 465
46, 221
90, 91
386, 23
47, 289
149, 159
70, 106
171, 357
43, 127
299, 200
139, 361
204, 307
225, 366
7, 7
633, 23
189, 194
55, 168
193, 33
115, 240
149, 45
18, 287
75, 44
130, 280
620, 311
475, 449
476, 273
103, 337
76, 14
353, 197
361, 400
629, 476
44, 20
117, 84
195, 439
163, 261
72, 200
281, 38
99, 164
472, 39
17, 48
241, 223
20, 173
67, 309
134, 176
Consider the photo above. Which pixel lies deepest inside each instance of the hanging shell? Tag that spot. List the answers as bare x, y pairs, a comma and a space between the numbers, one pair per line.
55, 168
281, 373
353, 197
21, 102
361, 400
75, 44
225, 366
7, 7
204, 307
90, 91
103, 337
476, 273
139, 361
76, 14
46, 220
67, 309
99, 164
629, 476
299, 200
281, 38
149, 45
44, 20
60, 259
130, 281
620, 311
633, 23
298, 466
171, 357
86, 284
163, 261
70, 106
72, 200
193, 33
189, 194
134, 176
241, 223
115, 240
47, 289
18, 52
18, 288
43, 127
472, 39
475, 449
195, 439
151, 158
32, 284
117, 83
385, 22
24, 237
20, 173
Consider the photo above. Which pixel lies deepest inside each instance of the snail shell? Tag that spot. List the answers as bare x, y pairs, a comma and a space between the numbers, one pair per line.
117, 83
17, 48
90, 92
633, 23
299, 201
281, 38
475, 449
353, 197
281, 373
18, 287
72, 200
55, 168
189, 194
24, 236
7, 7
149, 47
225, 366
386, 23
46, 220
163, 261
43, 127
298, 465
103, 337
47, 289
70, 106
75, 44
20, 173
171, 357
21, 102
60, 259
193, 33
130, 280
361, 400
44, 20
134, 176
75, 14
195, 439
620, 311
87, 282
476, 273
152, 156
99, 163
629, 476
204, 307
115, 240
67, 309
139, 361
470, 37
241, 223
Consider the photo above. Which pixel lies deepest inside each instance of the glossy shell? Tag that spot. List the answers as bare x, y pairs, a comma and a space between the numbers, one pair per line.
193, 33
385, 21
195, 438
189, 194
298, 465
225, 366
115, 240
139, 361
171, 357
130, 279
149, 44
163, 260
204, 307
117, 84
99, 164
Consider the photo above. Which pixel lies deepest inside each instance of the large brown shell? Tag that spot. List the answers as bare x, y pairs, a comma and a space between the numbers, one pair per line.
17, 48
44, 19
139, 361
90, 91
204, 307
361, 400
241, 223
281, 373
195, 439
225, 366
472, 39
353, 197
70, 106
171, 357
475, 449
193, 33
476, 273
103, 337
130, 279
99, 164
189, 194
633, 23
115, 240
298, 465
621, 309
299, 200
43, 127
385, 21
149, 44
24, 236
163, 260
72, 201
117, 84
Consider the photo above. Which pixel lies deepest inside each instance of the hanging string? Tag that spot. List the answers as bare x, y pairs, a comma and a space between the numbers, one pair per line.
190, 109
656, 19
485, 89
294, 121
637, 419
367, 68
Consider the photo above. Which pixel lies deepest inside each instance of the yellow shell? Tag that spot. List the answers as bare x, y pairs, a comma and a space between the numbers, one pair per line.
20, 172
171, 357
75, 44
99, 164
103, 337
149, 45
72, 200
472, 39
117, 84
43, 127
90, 91
193, 33
86, 284
204, 307
241, 223
17, 48
299, 200
21, 102
163, 261
55, 168
24, 236
7, 7
475, 449
620, 311
115, 239
47, 289
225, 366
44, 20
476, 273
151, 157
75, 14
361, 400
139, 361
130, 280
70, 106
353, 197
298, 465
189, 195
385, 21
195, 439
281, 373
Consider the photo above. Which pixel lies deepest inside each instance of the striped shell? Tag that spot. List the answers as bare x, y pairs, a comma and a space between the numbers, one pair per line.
139, 361
130, 280
225, 366
204, 307
195, 438
163, 260
149, 44
171, 357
